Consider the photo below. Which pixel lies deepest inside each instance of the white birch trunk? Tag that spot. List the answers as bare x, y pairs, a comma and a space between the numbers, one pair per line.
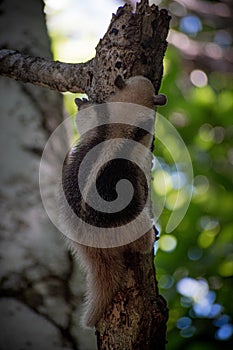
41, 287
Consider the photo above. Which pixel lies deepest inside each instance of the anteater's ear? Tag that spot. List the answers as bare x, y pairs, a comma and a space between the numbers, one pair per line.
160, 100
119, 82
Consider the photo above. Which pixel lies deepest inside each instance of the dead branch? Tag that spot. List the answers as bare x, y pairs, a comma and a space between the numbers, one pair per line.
57, 75
134, 43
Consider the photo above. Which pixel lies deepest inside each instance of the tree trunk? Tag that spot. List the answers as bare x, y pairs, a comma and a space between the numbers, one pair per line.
41, 286
134, 44
137, 318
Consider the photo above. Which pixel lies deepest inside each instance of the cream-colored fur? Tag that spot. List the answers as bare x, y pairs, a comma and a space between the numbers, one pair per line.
106, 267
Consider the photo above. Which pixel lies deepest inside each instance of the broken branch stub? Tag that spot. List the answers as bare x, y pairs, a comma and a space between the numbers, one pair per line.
134, 44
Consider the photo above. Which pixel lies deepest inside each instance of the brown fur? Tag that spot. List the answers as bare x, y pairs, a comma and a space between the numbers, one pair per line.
105, 272
106, 267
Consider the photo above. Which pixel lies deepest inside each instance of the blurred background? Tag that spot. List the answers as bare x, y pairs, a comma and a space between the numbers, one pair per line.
194, 262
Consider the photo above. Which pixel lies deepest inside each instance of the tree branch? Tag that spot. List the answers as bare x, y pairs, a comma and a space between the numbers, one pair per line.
57, 75
134, 43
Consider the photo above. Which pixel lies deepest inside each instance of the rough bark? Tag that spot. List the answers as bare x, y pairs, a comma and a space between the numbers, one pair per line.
40, 285
137, 318
43, 72
134, 44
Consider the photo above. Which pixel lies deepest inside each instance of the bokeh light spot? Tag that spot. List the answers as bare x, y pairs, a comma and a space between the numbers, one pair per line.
178, 180
223, 38
206, 132
201, 185
179, 119
222, 320
176, 199
205, 239
167, 243
225, 332
226, 268
187, 332
166, 281
195, 289
195, 253
198, 78
207, 223
190, 25
183, 322
162, 182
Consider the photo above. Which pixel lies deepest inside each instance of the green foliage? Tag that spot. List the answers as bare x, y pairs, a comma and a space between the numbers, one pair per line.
195, 263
